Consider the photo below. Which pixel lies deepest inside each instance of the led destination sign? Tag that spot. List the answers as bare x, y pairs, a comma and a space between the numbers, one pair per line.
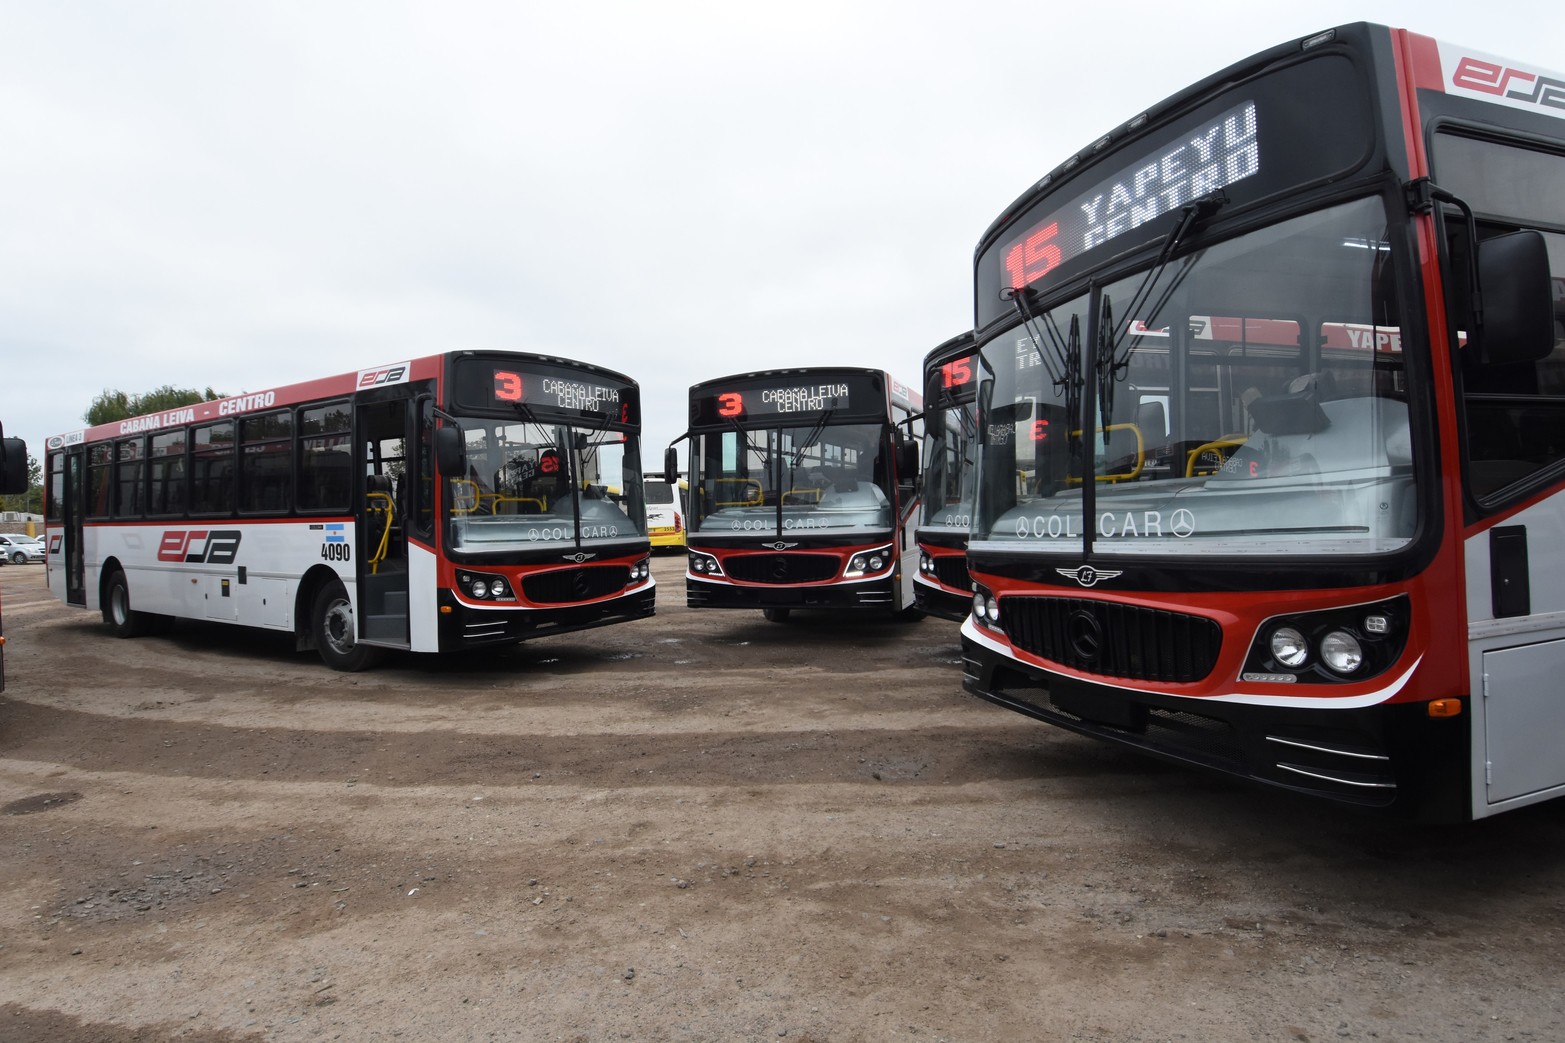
805, 396
490, 384
1289, 127
1210, 156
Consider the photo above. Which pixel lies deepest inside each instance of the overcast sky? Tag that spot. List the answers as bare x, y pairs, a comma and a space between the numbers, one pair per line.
243, 195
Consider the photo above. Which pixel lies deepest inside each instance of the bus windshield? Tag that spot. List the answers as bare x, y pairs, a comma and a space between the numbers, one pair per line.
821, 478
950, 437
538, 482
1248, 397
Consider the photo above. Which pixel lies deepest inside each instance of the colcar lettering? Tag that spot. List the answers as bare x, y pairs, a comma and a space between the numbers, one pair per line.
1180, 524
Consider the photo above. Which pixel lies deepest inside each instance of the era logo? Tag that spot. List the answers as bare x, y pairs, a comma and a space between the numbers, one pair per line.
1475, 74
370, 378
217, 547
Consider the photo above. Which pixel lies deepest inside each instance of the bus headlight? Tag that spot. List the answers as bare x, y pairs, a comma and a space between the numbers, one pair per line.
640, 571
704, 565
868, 562
986, 609
1289, 647
1341, 652
484, 588
926, 564
1340, 645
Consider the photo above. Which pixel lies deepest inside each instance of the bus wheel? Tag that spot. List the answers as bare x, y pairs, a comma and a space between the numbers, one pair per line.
775, 615
122, 620
336, 636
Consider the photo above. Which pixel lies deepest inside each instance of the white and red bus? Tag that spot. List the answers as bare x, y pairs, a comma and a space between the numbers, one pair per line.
437, 504
942, 586
1271, 473
802, 491
13, 480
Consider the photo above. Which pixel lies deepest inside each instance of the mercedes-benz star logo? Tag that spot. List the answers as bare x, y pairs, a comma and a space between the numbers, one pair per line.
1088, 576
1085, 635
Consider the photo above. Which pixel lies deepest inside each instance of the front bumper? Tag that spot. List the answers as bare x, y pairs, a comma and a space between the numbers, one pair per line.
1386, 756
468, 627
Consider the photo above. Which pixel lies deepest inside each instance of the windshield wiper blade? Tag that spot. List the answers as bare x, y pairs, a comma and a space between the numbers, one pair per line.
814, 435
744, 436
1107, 369
1018, 296
1193, 211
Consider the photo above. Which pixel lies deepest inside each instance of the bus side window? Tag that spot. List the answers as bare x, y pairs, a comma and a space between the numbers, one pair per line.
1515, 411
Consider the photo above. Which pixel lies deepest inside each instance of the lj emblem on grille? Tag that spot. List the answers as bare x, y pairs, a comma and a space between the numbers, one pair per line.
1088, 576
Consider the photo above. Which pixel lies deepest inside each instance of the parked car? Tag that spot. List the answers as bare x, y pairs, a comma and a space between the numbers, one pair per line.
19, 550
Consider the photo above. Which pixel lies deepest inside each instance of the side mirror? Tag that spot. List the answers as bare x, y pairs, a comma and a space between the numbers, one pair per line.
671, 466
13, 466
450, 452
1518, 299
907, 460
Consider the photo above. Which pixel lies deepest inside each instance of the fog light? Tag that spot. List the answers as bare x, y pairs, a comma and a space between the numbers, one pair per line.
1341, 652
1289, 647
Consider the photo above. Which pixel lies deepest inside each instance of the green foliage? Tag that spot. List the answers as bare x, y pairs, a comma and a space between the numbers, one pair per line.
114, 405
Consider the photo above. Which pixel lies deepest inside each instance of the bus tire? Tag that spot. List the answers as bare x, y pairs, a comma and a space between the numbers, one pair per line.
336, 633
775, 615
121, 619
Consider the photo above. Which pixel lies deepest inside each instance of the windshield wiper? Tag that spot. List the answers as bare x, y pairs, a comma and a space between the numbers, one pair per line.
744, 436
1107, 369
1189, 214
814, 435
1019, 296
1067, 351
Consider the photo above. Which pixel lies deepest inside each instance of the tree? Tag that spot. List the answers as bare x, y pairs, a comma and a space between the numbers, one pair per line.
114, 405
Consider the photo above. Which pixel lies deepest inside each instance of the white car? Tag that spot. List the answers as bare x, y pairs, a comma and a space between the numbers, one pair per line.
19, 550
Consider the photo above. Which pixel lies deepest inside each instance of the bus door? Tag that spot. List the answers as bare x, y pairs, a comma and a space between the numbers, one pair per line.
73, 502
382, 434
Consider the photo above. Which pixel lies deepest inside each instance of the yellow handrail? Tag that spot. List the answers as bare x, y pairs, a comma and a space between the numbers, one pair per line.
384, 548
460, 502
494, 505
1217, 445
749, 488
1125, 476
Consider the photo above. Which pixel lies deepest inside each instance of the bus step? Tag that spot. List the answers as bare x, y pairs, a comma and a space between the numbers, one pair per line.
386, 628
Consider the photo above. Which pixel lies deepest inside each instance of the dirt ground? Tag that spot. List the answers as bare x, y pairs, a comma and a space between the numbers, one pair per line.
700, 826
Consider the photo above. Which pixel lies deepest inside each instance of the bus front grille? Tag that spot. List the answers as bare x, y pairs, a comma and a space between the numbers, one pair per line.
782, 568
951, 571
566, 586
1112, 640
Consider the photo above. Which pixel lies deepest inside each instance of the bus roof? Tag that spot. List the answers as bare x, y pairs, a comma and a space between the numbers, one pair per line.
427, 367
1437, 66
